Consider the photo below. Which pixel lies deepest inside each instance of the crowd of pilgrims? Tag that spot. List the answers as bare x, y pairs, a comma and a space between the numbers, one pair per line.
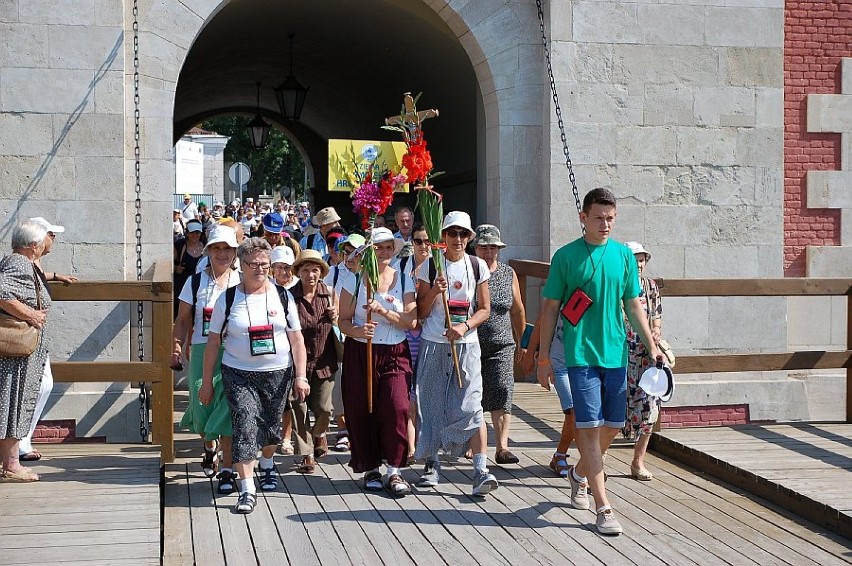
274, 324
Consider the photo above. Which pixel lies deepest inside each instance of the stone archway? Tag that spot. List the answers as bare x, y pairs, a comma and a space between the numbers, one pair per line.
492, 158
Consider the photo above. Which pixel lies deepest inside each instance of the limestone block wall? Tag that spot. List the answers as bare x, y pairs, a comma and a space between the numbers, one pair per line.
62, 156
679, 109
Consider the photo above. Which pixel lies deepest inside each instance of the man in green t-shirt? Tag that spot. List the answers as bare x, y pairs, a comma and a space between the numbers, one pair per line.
591, 279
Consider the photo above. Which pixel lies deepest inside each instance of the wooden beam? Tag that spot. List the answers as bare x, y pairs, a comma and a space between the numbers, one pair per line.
764, 362
162, 405
109, 291
106, 372
754, 287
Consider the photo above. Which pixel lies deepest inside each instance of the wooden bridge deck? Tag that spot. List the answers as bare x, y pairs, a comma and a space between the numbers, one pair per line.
804, 467
95, 504
682, 517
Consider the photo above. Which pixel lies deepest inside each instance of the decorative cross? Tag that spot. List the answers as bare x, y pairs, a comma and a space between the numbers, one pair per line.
410, 119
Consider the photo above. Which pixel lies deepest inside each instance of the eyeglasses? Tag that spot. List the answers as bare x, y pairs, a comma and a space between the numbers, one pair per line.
258, 265
282, 267
457, 233
419, 241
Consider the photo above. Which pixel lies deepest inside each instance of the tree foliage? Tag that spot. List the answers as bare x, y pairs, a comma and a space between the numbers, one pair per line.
277, 165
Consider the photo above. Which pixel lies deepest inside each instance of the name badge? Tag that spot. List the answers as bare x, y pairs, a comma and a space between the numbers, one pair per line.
206, 315
261, 340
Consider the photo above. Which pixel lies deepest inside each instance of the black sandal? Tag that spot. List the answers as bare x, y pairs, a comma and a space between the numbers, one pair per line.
227, 482
210, 462
268, 479
246, 503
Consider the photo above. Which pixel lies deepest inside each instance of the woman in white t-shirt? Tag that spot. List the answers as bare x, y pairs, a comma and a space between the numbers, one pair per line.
450, 417
264, 350
382, 434
213, 420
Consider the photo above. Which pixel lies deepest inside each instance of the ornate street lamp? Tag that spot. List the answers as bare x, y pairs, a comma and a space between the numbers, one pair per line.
291, 93
258, 129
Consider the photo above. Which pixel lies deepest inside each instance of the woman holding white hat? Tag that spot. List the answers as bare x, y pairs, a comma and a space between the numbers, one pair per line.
641, 407
449, 416
382, 434
197, 297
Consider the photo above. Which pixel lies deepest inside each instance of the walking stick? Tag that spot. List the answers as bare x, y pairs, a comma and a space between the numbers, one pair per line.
369, 350
452, 342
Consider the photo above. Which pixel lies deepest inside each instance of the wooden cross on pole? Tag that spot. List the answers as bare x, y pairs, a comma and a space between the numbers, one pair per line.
408, 118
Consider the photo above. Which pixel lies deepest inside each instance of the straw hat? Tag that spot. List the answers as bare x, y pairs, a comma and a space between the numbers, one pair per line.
311, 256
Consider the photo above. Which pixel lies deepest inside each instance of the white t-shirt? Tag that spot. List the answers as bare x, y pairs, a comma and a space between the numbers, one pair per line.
386, 333
459, 275
256, 310
248, 224
207, 294
343, 277
188, 212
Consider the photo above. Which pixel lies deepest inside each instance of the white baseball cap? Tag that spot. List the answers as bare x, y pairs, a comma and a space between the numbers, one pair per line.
636, 248
282, 254
55, 228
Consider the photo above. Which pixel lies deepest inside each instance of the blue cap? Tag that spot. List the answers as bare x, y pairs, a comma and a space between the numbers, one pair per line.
273, 223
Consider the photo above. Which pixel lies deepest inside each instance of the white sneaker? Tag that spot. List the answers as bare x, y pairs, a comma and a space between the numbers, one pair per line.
484, 483
607, 524
579, 492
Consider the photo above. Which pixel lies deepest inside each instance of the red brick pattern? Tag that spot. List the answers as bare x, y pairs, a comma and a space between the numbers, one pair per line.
711, 415
60, 431
816, 36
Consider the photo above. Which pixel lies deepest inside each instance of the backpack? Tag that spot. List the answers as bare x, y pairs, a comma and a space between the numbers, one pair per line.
231, 293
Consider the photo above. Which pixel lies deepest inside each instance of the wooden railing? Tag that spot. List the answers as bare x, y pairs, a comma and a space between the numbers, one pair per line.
158, 292
744, 288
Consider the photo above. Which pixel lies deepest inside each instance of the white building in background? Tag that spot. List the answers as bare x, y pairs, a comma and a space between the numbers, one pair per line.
199, 159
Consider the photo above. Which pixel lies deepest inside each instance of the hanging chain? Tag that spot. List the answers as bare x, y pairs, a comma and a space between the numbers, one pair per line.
558, 110
144, 401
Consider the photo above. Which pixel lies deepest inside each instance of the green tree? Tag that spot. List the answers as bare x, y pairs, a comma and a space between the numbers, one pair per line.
279, 164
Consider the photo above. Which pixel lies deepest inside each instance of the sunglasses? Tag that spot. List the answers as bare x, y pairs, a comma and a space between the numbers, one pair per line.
457, 233
419, 241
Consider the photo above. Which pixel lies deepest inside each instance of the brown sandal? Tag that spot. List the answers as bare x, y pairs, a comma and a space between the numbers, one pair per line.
23, 475
307, 466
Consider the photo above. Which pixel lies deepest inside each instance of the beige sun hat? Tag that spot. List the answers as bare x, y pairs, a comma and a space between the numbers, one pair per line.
326, 216
310, 256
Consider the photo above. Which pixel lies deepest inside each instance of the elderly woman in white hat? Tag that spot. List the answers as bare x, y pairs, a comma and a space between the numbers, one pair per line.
282, 259
192, 325
449, 416
640, 407
382, 434
497, 337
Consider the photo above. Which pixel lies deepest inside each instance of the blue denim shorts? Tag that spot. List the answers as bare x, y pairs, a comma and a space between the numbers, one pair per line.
600, 396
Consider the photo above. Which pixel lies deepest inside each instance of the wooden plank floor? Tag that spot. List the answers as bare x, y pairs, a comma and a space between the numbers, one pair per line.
95, 504
682, 517
804, 467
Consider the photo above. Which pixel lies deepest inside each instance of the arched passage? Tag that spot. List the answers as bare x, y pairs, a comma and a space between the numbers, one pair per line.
356, 62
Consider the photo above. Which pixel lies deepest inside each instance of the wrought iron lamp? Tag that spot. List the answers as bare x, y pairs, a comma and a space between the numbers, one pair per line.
291, 93
258, 129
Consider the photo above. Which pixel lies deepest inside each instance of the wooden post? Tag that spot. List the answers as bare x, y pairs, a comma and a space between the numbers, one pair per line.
369, 350
849, 366
162, 407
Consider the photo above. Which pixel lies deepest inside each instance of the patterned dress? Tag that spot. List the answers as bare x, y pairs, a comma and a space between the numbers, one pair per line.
20, 378
639, 405
498, 344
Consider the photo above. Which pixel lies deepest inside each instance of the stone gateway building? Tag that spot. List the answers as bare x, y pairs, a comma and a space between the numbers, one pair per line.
724, 126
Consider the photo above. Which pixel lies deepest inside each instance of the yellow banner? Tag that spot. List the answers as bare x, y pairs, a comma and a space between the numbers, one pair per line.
345, 155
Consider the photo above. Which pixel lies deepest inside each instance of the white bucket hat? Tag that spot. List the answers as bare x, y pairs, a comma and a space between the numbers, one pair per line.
221, 233
636, 248
657, 381
457, 218
382, 234
282, 254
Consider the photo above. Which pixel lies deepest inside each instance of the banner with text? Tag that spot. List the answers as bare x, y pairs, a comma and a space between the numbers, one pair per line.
345, 155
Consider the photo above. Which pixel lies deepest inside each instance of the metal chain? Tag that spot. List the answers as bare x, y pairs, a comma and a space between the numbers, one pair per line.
144, 400
558, 110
